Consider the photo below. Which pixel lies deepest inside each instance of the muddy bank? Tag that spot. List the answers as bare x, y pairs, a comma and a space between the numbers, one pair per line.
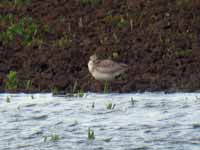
158, 39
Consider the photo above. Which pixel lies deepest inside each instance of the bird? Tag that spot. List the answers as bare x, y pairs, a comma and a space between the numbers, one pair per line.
105, 70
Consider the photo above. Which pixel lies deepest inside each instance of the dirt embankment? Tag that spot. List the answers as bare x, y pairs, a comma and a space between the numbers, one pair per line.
158, 39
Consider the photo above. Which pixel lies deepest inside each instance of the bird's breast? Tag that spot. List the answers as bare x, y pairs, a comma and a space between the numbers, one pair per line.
90, 66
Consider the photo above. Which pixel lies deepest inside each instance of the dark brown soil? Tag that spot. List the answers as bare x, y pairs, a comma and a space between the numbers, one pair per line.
158, 39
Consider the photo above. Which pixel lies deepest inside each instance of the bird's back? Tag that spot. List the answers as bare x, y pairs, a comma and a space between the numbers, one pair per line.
109, 66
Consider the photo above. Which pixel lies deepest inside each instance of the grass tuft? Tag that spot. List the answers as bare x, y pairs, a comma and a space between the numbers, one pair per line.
80, 93
110, 106
11, 81
55, 91
29, 85
91, 135
54, 137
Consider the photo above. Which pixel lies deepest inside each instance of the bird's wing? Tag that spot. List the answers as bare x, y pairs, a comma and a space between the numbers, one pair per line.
109, 66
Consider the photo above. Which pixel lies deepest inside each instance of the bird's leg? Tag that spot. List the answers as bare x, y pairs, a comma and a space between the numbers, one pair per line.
106, 87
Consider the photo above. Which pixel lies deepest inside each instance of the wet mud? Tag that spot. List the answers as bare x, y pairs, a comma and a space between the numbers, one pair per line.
158, 39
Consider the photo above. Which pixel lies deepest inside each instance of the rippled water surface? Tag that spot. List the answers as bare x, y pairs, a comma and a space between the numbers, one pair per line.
145, 121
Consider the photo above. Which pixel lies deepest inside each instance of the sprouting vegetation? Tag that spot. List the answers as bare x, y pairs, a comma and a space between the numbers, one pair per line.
118, 21
29, 85
37, 41
91, 135
46, 28
63, 42
6, 19
55, 137
11, 80
183, 53
80, 93
55, 91
122, 23
110, 106
22, 31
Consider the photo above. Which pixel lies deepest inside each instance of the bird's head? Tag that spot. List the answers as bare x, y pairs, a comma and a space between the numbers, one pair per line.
93, 57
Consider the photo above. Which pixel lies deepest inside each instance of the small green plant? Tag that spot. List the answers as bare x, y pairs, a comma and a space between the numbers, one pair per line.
91, 135
46, 28
110, 106
29, 85
63, 42
6, 20
55, 91
22, 31
122, 23
80, 93
117, 21
8, 99
11, 81
55, 137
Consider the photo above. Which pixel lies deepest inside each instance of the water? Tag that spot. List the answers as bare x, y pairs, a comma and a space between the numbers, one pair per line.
151, 121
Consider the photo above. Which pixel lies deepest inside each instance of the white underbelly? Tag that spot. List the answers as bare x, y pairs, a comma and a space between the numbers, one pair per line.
103, 76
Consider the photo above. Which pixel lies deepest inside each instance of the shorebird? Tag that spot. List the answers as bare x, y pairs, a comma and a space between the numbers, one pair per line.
105, 70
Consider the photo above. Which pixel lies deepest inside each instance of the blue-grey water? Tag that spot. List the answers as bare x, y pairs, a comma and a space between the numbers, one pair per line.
146, 121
